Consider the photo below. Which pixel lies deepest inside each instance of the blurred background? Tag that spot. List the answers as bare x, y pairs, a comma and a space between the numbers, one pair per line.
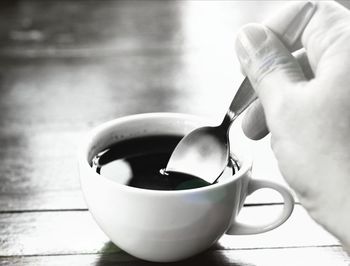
66, 66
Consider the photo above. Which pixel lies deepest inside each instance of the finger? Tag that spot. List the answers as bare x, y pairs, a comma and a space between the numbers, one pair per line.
254, 124
289, 24
270, 67
328, 21
290, 21
304, 63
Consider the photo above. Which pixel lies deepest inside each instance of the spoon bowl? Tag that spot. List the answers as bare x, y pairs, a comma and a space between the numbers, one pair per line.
213, 158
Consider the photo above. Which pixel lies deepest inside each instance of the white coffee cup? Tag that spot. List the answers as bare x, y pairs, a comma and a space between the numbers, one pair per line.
166, 226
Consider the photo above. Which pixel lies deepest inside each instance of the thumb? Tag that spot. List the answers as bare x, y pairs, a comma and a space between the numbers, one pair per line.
270, 67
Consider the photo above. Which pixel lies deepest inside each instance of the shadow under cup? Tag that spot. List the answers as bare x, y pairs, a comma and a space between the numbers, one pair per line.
165, 226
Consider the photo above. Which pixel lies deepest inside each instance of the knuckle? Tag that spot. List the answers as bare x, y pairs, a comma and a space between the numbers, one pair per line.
273, 62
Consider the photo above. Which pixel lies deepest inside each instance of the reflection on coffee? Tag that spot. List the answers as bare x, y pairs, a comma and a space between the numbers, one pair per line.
138, 162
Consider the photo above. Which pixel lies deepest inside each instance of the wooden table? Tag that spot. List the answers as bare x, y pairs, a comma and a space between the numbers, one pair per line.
66, 66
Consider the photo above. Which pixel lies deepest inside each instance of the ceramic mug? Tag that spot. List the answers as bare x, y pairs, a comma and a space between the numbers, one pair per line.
166, 226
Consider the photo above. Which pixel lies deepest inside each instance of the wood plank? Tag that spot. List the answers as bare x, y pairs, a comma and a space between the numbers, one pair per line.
42, 200
75, 232
321, 256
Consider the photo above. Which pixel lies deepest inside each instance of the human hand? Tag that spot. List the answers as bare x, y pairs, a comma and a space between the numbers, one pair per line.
309, 120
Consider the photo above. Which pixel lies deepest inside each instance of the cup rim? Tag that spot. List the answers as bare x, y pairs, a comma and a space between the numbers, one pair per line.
246, 162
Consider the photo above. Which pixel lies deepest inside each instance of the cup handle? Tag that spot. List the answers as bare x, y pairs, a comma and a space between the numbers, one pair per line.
238, 228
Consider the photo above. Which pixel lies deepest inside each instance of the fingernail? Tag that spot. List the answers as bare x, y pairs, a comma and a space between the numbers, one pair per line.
249, 40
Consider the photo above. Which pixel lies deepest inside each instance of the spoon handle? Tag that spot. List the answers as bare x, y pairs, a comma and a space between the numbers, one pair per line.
245, 95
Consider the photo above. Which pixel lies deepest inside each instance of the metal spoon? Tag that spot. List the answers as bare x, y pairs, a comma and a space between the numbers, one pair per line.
204, 152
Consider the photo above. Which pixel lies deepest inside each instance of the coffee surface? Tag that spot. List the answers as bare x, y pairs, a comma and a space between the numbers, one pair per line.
138, 162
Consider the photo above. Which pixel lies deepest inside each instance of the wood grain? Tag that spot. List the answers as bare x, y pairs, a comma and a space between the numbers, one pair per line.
75, 232
321, 256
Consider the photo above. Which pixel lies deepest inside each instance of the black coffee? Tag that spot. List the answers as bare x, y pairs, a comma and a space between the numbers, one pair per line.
138, 162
